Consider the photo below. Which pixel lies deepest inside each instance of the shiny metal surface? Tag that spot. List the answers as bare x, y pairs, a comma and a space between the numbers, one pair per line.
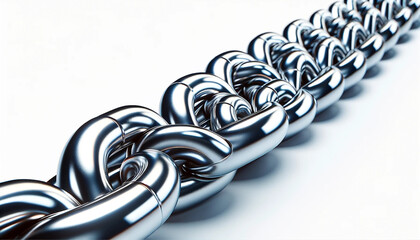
234, 58
129, 123
300, 69
328, 50
374, 21
25, 202
414, 5
149, 194
200, 95
255, 81
82, 170
178, 106
215, 148
227, 109
195, 190
392, 9
255, 135
326, 85
195, 100
352, 34
300, 105
123, 173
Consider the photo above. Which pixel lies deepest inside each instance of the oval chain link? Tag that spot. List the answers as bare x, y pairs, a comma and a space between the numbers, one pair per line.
125, 172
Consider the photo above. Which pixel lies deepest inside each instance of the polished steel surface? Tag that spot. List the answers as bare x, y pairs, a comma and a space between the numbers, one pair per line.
88, 150
352, 34
215, 148
196, 98
299, 67
149, 194
301, 70
391, 9
300, 105
195, 190
261, 84
123, 173
328, 50
25, 202
373, 21
227, 109
414, 5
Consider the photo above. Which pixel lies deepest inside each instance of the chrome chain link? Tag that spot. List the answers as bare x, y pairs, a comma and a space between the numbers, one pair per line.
125, 172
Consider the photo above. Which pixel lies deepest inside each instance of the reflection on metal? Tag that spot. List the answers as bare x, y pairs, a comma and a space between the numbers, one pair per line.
198, 99
123, 173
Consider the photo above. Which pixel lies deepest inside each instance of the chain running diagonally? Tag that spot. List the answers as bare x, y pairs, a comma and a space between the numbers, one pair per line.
123, 173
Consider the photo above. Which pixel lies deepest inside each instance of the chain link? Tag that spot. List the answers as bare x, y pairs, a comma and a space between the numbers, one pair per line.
125, 172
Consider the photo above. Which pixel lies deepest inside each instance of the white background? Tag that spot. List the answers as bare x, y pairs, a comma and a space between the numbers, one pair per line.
353, 174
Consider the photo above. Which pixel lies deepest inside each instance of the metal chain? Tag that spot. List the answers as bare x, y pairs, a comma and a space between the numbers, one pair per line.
125, 172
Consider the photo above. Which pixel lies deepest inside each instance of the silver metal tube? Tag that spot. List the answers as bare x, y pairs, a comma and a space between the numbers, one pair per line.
133, 210
83, 168
25, 202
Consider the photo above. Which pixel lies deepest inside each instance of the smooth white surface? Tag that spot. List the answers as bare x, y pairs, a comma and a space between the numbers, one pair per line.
353, 174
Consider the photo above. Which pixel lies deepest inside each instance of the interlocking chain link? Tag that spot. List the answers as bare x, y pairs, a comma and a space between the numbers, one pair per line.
125, 172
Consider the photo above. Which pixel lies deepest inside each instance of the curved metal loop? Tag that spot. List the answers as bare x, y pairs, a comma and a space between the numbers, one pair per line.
251, 136
126, 126
149, 195
299, 67
228, 109
216, 150
194, 189
375, 22
194, 149
234, 67
248, 71
414, 5
300, 105
302, 72
340, 9
83, 168
255, 135
391, 9
25, 202
313, 38
250, 75
122, 172
274, 91
264, 47
352, 34
297, 31
83, 172
328, 51
178, 93
223, 64
270, 47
